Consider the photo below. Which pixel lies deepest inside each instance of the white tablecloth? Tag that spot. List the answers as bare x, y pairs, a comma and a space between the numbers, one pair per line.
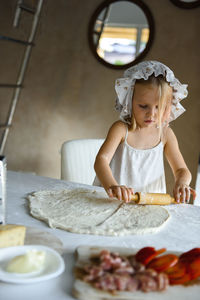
181, 233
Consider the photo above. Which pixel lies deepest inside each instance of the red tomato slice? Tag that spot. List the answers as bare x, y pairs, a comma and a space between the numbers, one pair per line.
178, 274
191, 259
190, 255
163, 262
177, 271
193, 268
180, 280
146, 254
186, 269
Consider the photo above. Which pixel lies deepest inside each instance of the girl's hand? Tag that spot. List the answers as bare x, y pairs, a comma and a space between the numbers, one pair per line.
182, 193
121, 192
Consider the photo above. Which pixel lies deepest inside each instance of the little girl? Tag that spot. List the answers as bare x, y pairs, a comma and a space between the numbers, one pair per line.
131, 158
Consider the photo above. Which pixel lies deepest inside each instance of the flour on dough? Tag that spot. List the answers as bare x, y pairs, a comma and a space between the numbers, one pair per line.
82, 210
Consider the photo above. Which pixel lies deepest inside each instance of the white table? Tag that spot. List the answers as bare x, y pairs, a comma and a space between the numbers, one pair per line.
181, 233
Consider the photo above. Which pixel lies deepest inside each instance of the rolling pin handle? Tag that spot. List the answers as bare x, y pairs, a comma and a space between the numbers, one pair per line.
135, 197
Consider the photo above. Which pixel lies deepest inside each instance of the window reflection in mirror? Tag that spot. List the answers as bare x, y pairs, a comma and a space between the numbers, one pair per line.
120, 32
186, 3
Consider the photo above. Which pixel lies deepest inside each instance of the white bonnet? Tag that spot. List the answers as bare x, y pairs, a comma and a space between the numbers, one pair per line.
124, 88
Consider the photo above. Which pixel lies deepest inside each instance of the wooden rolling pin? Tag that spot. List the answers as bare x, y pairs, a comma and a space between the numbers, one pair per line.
153, 198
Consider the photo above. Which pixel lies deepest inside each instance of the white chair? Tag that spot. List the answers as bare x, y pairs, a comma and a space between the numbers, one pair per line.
77, 160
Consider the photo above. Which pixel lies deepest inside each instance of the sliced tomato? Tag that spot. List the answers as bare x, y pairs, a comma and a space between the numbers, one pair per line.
180, 280
186, 269
178, 274
178, 270
190, 255
193, 268
163, 262
146, 254
191, 259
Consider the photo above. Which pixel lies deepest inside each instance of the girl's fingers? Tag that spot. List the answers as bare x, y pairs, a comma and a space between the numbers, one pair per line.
122, 193
110, 193
187, 195
114, 191
188, 191
182, 193
119, 193
129, 194
193, 192
177, 195
125, 197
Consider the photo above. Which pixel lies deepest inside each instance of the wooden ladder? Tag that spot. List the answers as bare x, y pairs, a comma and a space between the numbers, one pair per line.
19, 82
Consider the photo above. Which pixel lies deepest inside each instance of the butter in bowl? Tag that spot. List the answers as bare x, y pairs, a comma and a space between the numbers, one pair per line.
29, 264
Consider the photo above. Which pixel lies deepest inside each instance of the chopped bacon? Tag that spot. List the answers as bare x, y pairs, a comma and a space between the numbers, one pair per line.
150, 280
113, 272
146, 282
162, 281
137, 266
111, 260
93, 272
124, 270
114, 282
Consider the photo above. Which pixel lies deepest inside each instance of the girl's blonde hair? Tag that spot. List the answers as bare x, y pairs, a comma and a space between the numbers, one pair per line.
164, 104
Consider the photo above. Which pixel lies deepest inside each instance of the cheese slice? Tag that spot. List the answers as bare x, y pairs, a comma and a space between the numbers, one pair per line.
12, 235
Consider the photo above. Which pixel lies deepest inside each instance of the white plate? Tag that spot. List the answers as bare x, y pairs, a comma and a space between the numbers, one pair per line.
54, 264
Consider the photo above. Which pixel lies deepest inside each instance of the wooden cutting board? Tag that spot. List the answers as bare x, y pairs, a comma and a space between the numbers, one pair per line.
84, 291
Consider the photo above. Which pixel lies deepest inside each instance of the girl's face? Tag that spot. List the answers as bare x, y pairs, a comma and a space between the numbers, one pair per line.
145, 104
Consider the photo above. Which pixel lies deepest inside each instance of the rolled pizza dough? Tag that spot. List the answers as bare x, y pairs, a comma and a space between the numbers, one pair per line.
90, 212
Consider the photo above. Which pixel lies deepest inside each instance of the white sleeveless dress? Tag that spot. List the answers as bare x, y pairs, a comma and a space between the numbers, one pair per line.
142, 170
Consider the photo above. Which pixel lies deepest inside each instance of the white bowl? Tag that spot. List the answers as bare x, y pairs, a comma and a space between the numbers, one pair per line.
53, 267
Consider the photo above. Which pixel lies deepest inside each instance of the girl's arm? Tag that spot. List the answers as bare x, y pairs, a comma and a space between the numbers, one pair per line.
182, 175
115, 136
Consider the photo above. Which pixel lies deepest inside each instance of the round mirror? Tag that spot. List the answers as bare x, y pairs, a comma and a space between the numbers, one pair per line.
186, 3
121, 32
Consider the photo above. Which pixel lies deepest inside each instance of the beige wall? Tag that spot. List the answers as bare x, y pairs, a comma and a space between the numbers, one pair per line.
68, 94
